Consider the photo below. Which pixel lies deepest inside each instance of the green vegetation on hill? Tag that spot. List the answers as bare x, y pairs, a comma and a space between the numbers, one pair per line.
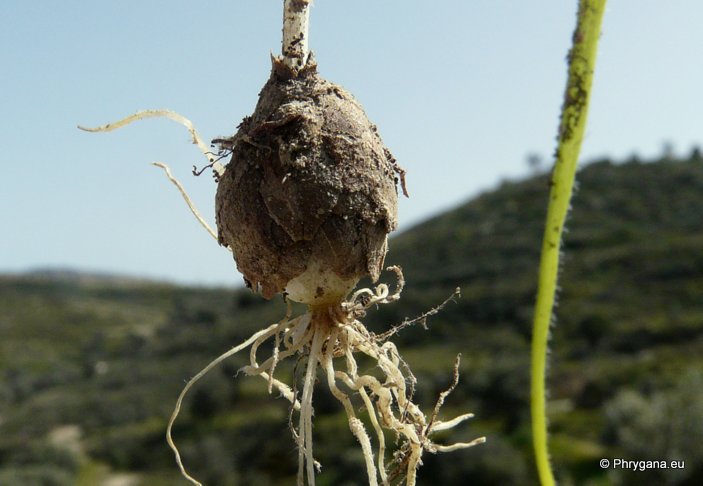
90, 368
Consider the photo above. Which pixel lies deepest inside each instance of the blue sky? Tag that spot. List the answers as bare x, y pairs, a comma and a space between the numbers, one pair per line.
461, 91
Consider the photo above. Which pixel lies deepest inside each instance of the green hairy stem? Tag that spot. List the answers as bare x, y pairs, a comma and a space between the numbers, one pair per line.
581, 60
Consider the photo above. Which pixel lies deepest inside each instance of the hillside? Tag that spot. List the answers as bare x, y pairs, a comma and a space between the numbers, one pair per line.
91, 367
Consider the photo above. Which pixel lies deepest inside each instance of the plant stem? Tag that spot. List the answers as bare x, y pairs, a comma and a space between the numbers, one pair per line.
296, 22
582, 58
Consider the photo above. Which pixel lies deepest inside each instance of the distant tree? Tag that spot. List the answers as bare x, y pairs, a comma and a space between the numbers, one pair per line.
662, 426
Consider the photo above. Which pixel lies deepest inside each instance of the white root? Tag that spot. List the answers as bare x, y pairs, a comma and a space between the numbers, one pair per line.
255, 369
379, 436
284, 389
357, 428
352, 369
192, 382
275, 358
449, 424
305, 456
457, 446
187, 199
355, 425
171, 115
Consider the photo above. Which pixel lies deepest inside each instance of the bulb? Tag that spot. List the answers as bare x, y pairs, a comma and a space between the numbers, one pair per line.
309, 195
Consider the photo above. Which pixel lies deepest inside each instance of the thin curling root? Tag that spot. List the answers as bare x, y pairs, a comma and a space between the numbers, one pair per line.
331, 337
171, 115
186, 198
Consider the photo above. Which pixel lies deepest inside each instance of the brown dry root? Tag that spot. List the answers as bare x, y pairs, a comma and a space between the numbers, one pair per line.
330, 337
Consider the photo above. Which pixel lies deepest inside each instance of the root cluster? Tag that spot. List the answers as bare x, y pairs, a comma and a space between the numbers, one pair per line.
331, 337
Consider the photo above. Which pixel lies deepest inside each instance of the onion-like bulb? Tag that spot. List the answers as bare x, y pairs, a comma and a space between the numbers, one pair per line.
309, 195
